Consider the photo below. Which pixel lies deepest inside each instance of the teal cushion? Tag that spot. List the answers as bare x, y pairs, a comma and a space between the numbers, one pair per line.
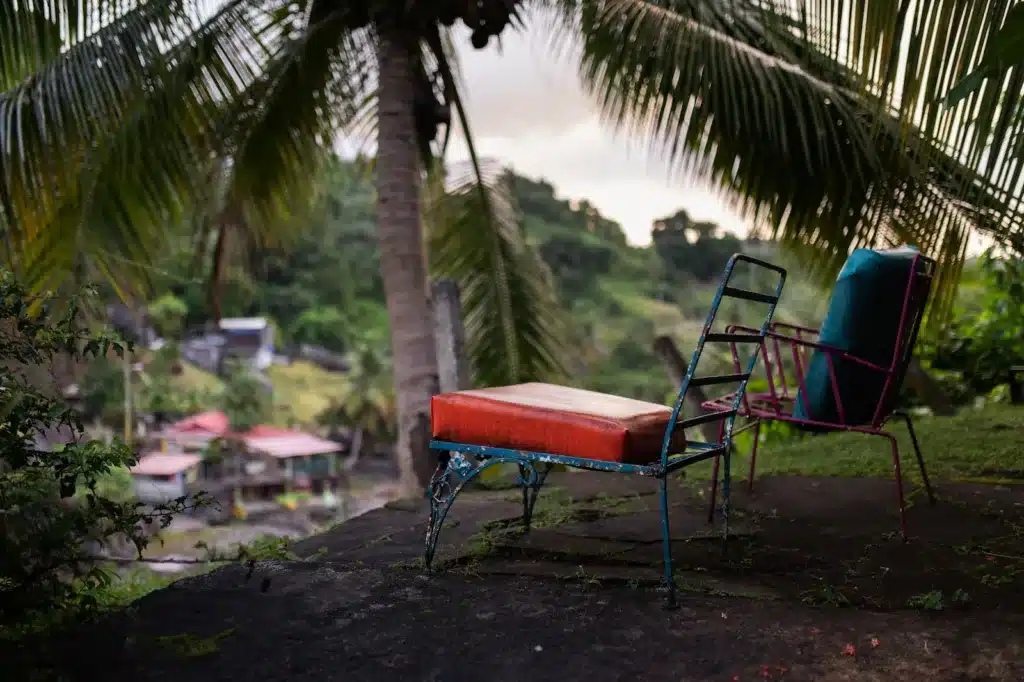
863, 319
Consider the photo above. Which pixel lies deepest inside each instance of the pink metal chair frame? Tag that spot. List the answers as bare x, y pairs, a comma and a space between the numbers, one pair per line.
778, 402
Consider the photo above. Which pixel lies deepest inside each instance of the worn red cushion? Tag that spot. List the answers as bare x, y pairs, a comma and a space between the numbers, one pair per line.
557, 420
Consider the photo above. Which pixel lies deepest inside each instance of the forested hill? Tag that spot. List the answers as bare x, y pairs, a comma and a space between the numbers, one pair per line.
325, 287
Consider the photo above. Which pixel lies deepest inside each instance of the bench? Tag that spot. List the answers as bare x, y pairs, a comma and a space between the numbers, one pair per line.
536, 426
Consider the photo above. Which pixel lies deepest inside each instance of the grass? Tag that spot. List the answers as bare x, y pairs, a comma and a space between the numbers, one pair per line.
301, 390
981, 445
193, 378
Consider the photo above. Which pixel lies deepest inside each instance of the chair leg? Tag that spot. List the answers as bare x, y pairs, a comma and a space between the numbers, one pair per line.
441, 495
899, 484
531, 481
666, 536
726, 480
753, 456
714, 491
920, 459
714, 476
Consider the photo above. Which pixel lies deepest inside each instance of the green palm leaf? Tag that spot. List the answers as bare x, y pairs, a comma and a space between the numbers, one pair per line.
800, 130
513, 326
82, 174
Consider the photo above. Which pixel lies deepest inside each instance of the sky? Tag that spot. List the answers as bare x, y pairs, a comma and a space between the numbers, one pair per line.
528, 111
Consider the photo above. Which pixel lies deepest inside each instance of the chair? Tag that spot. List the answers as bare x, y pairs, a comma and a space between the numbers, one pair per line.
536, 426
848, 373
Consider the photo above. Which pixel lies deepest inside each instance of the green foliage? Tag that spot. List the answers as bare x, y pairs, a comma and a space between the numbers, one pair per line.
692, 248
321, 326
620, 297
973, 353
103, 395
322, 287
160, 396
168, 313
245, 400
367, 401
53, 507
514, 326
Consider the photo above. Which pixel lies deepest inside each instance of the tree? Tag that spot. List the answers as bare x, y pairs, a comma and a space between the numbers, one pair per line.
168, 315
55, 505
692, 248
321, 326
148, 112
245, 400
367, 404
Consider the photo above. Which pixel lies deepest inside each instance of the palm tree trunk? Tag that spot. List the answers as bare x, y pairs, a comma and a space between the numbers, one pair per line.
402, 261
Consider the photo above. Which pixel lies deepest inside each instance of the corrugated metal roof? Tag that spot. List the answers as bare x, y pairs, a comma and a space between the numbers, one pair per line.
291, 445
244, 323
160, 464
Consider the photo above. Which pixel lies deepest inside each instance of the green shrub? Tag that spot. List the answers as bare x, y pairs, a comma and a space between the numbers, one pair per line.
54, 506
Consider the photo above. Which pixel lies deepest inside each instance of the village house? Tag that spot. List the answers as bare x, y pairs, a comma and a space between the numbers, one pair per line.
201, 453
250, 339
160, 477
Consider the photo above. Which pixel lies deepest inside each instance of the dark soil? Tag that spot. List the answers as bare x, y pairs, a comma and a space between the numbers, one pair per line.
577, 598
816, 541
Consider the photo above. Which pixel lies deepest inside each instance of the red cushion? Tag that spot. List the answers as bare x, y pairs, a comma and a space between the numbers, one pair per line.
557, 420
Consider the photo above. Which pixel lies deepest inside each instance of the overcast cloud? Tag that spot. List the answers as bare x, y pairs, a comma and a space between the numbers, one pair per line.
528, 111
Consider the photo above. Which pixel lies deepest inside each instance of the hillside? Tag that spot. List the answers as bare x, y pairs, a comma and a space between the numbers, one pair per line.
619, 298
324, 288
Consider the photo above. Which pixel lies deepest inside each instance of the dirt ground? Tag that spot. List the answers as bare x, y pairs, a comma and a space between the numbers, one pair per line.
815, 585
829, 541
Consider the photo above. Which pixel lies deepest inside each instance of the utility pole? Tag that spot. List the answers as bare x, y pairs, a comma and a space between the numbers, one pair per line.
127, 398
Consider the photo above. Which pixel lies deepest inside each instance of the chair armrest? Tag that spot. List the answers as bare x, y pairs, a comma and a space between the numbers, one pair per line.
778, 347
792, 329
830, 352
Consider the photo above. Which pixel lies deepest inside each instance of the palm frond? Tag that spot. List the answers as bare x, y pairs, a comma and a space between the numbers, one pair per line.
276, 135
513, 325
1003, 51
287, 121
35, 32
81, 174
763, 100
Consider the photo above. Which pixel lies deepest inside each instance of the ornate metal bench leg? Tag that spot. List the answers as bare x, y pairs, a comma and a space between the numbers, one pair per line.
531, 481
440, 494
670, 582
726, 484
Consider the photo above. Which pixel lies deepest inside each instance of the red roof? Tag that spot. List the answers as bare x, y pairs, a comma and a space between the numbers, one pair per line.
265, 431
210, 422
294, 444
216, 423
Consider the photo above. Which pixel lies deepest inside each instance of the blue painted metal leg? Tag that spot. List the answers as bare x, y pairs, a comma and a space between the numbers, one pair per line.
531, 482
454, 471
440, 495
670, 583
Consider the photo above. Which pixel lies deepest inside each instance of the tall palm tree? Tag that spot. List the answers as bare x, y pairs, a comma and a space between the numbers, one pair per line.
820, 121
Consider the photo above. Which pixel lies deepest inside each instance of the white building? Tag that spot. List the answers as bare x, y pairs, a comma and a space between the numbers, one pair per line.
251, 338
162, 477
